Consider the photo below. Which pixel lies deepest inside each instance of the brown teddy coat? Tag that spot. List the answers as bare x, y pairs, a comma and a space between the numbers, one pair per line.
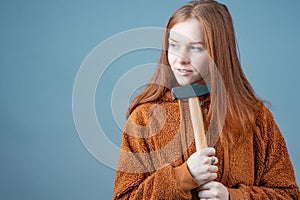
156, 143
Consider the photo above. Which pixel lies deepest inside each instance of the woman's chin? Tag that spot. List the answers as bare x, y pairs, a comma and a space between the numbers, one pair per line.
183, 83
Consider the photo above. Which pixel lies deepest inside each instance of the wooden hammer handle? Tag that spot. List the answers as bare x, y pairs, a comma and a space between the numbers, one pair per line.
197, 122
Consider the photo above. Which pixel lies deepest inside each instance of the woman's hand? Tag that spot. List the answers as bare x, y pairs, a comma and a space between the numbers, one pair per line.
201, 165
213, 190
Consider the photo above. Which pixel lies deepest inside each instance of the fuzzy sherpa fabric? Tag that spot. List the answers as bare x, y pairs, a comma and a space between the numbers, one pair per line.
158, 139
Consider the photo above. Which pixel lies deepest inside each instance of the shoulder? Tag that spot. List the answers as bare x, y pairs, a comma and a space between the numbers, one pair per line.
155, 109
150, 121
140, 114
266, 124
263, 115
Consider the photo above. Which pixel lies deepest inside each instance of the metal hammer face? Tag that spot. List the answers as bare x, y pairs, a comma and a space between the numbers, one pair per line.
189, 91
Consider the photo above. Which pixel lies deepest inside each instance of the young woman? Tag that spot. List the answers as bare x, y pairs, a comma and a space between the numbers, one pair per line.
247, 157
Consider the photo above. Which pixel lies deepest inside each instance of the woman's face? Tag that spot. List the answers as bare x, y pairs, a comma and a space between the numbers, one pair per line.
187, 55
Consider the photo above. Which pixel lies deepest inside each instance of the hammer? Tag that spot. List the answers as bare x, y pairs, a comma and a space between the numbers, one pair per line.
192, 92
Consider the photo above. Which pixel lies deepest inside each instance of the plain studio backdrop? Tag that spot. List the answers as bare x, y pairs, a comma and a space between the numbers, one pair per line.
44, 43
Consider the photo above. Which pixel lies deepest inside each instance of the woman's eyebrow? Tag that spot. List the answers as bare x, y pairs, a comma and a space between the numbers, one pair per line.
172, 40
199, 42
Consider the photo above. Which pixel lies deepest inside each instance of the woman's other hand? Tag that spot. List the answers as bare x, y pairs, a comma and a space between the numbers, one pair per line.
213, 190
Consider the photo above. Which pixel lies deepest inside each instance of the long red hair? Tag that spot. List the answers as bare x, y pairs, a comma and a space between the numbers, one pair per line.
220, 43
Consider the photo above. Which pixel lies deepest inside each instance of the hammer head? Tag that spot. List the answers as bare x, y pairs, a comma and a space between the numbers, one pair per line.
188, 91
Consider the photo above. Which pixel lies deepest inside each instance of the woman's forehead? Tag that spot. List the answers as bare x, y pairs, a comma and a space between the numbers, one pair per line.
189, 31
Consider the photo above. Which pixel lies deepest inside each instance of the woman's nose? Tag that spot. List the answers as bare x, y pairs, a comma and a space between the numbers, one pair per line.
183, 56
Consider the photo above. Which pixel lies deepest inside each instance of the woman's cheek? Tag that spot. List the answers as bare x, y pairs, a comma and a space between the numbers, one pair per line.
171, 59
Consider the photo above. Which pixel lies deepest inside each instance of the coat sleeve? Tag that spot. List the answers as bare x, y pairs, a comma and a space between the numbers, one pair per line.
275, 177
136, 176
161, 184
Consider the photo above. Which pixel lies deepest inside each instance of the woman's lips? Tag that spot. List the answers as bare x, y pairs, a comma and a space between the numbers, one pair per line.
184, 72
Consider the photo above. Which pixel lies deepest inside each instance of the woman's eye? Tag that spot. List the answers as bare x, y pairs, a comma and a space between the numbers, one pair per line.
173, 46
196, 48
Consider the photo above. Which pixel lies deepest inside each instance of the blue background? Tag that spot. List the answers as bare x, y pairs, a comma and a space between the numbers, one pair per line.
42, 45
